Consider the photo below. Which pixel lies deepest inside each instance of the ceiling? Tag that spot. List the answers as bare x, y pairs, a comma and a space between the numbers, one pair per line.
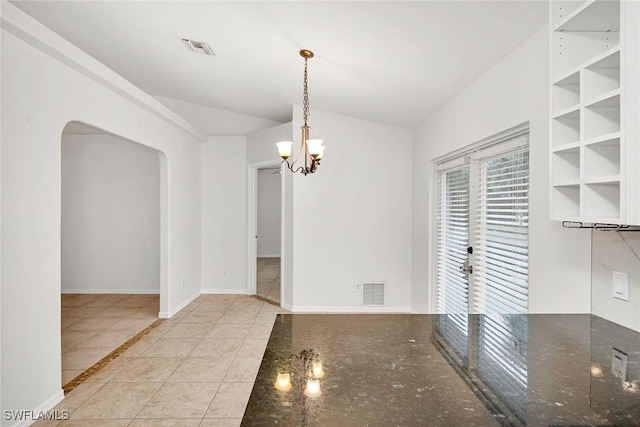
391, 62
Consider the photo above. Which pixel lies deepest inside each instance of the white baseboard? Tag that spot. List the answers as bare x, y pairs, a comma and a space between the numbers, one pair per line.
214, 291
269, 256
350, 310
169, 314
47, 405
286, 306
112, 291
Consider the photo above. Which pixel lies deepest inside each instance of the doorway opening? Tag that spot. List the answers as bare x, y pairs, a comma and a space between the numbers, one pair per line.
113, 237
268, 233
269, 213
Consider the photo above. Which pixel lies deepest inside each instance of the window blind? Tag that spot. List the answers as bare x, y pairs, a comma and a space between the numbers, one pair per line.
452, 243
502, 359
500, 279
501, 238
492, 216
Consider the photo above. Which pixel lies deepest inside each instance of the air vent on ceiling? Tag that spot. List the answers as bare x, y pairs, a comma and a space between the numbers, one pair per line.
373, 294
198, 47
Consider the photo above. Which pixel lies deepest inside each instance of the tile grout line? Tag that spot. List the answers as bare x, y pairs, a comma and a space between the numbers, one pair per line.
267, 300
96, 367
228, 310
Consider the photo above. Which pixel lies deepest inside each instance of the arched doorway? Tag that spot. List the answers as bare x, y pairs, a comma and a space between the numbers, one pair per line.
113, 243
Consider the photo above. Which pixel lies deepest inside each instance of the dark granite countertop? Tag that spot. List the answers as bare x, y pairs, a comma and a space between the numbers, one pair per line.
419, 370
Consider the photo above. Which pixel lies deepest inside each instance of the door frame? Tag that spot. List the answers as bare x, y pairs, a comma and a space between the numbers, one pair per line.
467, 150
252, 225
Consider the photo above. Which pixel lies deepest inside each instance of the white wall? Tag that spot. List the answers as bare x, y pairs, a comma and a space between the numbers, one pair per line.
224, 213
47, 83
110, 216
261, 146
352, 218
512, 92
268, 207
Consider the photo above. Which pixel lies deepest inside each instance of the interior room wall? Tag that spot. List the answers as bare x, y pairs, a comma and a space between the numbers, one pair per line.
512, 92
48, 83
352, 218
261, 146
110, 216
616, 252
268, 209
224, 214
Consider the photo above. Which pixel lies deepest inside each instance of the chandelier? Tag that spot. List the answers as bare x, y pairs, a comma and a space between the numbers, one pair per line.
311, 370
311, 149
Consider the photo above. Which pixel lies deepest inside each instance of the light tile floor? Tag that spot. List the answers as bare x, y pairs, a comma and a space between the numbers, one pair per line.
195, 369
268, 279
94, 324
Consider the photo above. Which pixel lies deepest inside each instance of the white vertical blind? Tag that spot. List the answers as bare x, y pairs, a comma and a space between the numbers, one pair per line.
501, 238
452, 242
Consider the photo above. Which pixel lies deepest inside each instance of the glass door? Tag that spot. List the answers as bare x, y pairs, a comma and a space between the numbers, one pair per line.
453, 265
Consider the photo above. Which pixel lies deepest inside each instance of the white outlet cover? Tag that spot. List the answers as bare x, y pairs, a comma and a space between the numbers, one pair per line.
621, 285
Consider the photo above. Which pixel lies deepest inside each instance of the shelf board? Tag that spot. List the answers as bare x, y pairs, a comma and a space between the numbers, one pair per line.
593, 61
604, 55
605, 100
573, 146
602, 139
567, 183
593, 15
561, 217
608, 59
609, 179
572, 112
571, 79
606, 220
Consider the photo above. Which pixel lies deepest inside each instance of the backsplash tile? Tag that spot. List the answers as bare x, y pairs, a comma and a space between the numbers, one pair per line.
615, 251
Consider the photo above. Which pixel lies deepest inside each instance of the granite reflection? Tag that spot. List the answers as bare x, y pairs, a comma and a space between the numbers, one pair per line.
378, 370
418, 370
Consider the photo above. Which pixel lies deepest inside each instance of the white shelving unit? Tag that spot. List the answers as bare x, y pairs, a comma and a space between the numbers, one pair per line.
594, 54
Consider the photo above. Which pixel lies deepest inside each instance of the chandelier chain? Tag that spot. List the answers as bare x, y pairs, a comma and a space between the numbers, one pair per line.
305, 95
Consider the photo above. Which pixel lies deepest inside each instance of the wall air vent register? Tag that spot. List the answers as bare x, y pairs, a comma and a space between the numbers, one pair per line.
373, 293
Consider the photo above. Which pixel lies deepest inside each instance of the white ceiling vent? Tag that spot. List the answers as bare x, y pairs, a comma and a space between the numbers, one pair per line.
373, 293
198, 47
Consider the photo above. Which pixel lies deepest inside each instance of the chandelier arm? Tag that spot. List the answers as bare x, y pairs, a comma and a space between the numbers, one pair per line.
300, 151
298, 169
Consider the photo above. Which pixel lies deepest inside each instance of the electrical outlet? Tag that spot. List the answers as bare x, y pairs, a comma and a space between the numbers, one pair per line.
357, 287
620, 285
620, 364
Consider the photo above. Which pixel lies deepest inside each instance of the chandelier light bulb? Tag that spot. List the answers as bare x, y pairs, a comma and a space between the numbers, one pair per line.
284, 149
317, 370
314, 146
313, 388
283, 382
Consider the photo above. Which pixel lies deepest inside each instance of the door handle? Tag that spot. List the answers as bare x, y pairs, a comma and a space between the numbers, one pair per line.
466, 268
